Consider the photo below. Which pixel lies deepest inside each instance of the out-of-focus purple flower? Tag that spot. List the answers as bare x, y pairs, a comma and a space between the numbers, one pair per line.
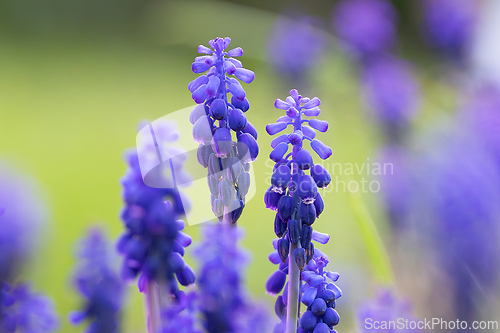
385, 308
180, 316
22, 213
395, 177
460, 187
366, 26
391, 91
99, 284
153, 244
449, 24
295, 45
222, 266
25, 311
482, 116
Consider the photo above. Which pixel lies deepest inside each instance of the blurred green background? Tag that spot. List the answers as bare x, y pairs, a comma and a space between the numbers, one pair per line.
76, 77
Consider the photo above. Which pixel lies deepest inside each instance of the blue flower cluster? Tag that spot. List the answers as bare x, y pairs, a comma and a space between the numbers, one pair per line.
99, 284
213, 120
222, 265
21, 310
153, 244
294, 195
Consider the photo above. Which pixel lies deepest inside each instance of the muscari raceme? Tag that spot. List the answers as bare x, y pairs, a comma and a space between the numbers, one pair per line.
295, 198
215, 118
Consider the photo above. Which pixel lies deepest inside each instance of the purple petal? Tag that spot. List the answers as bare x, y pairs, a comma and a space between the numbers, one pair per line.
227, 41
193, 85
312, 103
334, 276
199, 67
314, 112
279, 139
280, 104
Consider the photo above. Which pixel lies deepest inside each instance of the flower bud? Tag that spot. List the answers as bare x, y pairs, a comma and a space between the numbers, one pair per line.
202, 130
280, 308
305, 236
203, 153
283, 248
243, 183
322, 328
336, 290
318, 307
300, 257
271, 198
237, 120
215, 166
321, 176
296, 137
250, 129
308, 321
248, 149
307, 213
279, 226
278, 152
307, 189
327, 295
218, 109
321, 149
309, 296
331, 317
275, 128
197, 112
320, 237
319, 205
186, 276
285, 208
320, 125
243, 105
281, 178
226, 192
233, 169
309, 132
236, 210
293, 231
218, 207
276, 282
279, 139
222, 142
304, 159
213, 185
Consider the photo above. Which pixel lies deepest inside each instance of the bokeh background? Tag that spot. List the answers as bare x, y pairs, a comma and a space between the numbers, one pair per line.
76, 77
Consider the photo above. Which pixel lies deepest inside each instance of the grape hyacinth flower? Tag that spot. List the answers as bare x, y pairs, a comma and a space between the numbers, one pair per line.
386, 307
153, 244
22, 310
99, 284
449, 25
215, 118
294, 195
367, 27
295, 46
392, 93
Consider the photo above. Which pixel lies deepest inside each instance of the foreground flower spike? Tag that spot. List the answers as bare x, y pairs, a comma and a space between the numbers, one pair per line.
294, 195
215, 118
99, 284
153, 244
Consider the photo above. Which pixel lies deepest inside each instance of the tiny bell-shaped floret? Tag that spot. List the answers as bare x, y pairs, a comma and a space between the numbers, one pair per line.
276, 282
304, 159
321, 328
293, 231
321, 176
237, 120
300, 257
202, 130
218, 109
278, 152
248, 149
308, 321
186, 276
327, 295
283, 248
280, 307
271, 199
285, 208
307, 213
281, 178
318, 307
222, 142
319, 205
331, 317
279, 226
243, 105
309, 296
307, 189
305, 236
321, 149
243, 183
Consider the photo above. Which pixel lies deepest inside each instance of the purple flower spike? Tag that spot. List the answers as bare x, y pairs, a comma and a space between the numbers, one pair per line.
366, 26
392, 91
295, 45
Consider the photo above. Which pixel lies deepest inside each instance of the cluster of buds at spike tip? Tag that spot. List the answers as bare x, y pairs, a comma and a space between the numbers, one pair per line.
215, 118
294, 196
